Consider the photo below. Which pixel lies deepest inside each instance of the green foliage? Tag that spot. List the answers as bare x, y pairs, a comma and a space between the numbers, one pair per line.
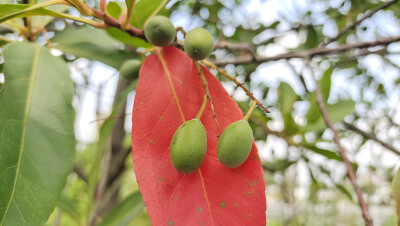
39, 146
125, 211
93, 44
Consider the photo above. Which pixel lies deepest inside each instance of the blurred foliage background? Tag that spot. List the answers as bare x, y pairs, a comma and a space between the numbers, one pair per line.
305, 177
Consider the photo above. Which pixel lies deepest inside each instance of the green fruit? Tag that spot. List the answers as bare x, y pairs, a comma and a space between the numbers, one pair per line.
188, 146
396, 191
130, 69
198, 43
235, 144
160, 31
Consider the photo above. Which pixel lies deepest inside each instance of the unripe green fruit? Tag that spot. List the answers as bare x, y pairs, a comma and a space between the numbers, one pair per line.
130, 69
235, 144
188, 147
160, 31
198, 43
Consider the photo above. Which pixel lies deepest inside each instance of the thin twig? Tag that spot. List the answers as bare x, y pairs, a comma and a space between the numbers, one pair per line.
112, 22
233, 79
350, 172
319, 51
357, 22
372, 137
205, 85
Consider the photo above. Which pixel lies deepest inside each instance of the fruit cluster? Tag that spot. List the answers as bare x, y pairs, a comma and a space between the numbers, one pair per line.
159, 31
188, 146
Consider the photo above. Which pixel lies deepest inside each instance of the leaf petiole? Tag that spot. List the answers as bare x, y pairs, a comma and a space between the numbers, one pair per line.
253, 105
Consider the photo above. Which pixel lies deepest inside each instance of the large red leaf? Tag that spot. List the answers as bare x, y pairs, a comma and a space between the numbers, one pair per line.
215, 194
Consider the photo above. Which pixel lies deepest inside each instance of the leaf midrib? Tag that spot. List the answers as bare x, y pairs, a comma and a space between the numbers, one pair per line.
32, 76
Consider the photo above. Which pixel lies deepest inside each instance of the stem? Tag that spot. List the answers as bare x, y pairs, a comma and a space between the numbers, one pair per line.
350, 173
103, 6
203, 106
84, 20
248, 93
82, 7
207, 91
128, 17
253, 105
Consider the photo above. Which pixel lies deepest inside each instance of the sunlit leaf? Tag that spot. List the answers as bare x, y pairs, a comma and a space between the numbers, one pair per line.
125, 211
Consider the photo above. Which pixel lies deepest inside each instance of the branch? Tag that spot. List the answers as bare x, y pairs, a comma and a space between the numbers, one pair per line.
319, 51
112, 22
248, 93
357, 22
350, 172
373, 137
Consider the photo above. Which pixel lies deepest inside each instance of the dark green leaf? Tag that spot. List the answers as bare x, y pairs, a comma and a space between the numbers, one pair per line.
124, 212
69, 206
126, 38
324, 152
37, 147
93, 44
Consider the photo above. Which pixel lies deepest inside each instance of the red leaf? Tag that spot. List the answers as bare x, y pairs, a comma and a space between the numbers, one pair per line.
215, 194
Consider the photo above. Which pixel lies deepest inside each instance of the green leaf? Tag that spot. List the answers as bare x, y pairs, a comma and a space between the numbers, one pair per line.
324, 152
337, 112
69, 206
9, 11
314, 114
124, 212
114, 9
126, 38
144, 9
37, 147
287, 97
345, 191
93, 44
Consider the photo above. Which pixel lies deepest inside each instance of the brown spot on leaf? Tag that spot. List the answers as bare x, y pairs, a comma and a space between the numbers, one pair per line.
160, 179
249, 215
249, 192
151, 141
253, 183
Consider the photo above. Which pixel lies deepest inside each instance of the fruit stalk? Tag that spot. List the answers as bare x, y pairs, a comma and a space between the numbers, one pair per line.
234, 80
253, 105
205, 85
203, 106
